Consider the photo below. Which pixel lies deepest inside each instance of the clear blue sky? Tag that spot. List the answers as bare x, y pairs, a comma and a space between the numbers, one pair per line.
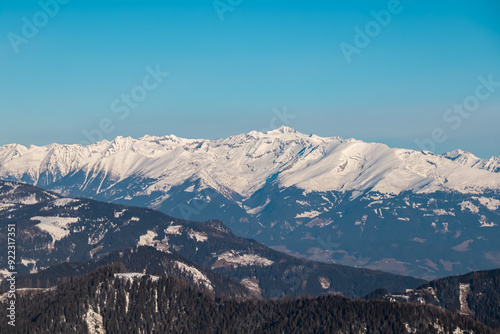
227, 76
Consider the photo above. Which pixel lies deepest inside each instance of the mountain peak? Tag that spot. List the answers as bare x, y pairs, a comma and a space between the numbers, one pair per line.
456, 153
284, 130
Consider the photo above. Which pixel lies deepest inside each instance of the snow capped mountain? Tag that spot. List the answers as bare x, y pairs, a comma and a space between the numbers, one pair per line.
330, 199
240, 165
470, 160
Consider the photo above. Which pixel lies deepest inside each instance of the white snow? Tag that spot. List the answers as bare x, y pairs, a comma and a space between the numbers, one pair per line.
464, 292
94, 322
258, 209
308, 214
57, 227
241, 259
491, 203
64, 201
467, 205
118, 214
4, 206
409, 329
441, 212
198, 236
147, 239
198, 277
189, 189
470, 160
174, 229
26, 262
374, 202
319, 222
243, 163
483, 221
135, 277
252, 284
325, 282
30, 200
4, 273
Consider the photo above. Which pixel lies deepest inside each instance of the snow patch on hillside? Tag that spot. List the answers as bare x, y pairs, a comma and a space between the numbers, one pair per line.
325, 282
258, 209
198, 277
57, 227
464, 290
236, 259
491, 203
94, 322
174, 229
64, 201
441, 212
28, 262
308, 214
483, 221
29, 200
147, 239
131, 277
118, 214
467, 205
198, 236
5, 206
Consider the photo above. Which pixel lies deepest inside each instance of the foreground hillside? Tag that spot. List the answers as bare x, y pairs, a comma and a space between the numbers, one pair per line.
52, 229
141, 259
476, 294
110, 301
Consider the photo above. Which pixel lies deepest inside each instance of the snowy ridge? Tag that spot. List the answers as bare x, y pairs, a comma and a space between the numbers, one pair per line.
470, 160
243, 163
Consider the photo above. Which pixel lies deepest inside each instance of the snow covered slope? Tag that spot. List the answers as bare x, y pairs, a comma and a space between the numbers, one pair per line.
242, 164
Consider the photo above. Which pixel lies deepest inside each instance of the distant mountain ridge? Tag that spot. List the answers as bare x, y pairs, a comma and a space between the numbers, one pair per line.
330, 199
240, 165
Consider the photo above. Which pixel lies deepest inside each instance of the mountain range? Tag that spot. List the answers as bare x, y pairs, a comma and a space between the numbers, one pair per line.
99, 267
329, 199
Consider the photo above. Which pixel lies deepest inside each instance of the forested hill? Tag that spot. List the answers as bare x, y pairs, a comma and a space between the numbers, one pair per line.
109, 301
53, 229
476, 294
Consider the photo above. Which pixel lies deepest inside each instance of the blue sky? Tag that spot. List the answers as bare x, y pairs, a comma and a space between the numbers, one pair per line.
231, 76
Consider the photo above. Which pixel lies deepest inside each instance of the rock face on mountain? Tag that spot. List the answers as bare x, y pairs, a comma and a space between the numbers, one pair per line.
330, 199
